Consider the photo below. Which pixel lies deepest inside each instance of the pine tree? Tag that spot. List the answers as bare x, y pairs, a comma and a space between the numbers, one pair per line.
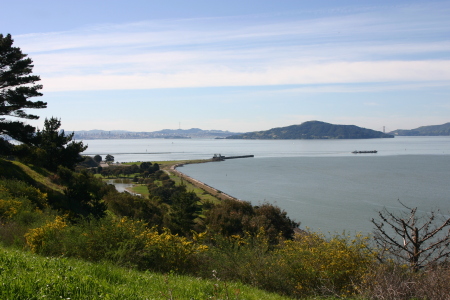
17, 85
57, 148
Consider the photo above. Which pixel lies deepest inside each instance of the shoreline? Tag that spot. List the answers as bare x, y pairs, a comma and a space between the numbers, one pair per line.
207, 188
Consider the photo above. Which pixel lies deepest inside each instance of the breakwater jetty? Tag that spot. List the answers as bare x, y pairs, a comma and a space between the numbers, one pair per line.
219, 157
207, 188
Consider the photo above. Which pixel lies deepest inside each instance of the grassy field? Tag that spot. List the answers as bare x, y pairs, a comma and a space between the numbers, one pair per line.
140, 189
204, 196
27, 276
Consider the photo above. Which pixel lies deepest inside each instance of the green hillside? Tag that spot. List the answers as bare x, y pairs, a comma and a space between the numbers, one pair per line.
432, 130
314, 130
37, 177
27, 276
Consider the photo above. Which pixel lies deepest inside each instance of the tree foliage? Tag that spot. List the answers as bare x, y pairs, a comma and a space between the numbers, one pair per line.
83, 193
57, 148
184, 210
233, 217
17, 85
184, 205
88, 162
148, 168
416, 240
137, 208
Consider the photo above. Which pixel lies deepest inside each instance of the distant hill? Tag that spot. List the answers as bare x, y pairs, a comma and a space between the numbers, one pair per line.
314, 130
165, 133
433, 130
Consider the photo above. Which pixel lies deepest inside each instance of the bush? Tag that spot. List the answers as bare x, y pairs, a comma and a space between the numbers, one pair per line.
126, 205
20, 203
46, 239
20, 189
233, 217
247, 259
309, 265
20, 208
122, 241
398, 282
328, 266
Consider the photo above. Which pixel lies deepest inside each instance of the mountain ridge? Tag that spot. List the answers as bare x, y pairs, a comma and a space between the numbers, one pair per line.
429, 130
164, 133
314, 130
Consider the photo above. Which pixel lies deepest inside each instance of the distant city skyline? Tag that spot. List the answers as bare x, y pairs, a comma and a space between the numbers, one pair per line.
153, 65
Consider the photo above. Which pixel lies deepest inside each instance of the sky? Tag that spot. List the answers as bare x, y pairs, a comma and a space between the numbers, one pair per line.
236, 65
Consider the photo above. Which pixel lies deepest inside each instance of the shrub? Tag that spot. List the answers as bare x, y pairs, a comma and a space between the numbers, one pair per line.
233, 217
167, 252
309, 265
20, 189
20, 203
328, 266
398, 282
46, 239
244, 258
123, 241
19, 210
126, 205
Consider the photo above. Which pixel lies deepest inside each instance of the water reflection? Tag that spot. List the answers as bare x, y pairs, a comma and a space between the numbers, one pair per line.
120, 184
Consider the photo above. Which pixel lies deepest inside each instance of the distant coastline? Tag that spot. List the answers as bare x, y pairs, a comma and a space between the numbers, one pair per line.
161, 134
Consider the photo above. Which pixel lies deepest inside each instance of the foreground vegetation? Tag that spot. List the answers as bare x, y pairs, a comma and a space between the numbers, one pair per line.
27, 276
231, 243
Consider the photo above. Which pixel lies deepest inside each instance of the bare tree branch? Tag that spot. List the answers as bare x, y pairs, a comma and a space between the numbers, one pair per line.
423, 241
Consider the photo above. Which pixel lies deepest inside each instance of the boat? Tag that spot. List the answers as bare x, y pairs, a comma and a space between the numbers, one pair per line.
363, 152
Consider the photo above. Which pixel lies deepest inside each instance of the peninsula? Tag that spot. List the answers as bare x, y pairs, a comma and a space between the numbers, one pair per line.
314, 130
432, 130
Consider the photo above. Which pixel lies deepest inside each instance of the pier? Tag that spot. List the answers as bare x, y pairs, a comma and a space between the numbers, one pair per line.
219, 157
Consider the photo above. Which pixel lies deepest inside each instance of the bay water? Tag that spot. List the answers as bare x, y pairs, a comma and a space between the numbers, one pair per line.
320, 183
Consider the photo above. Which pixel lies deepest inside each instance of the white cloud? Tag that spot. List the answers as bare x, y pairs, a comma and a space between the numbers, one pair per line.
338, 72
404, 43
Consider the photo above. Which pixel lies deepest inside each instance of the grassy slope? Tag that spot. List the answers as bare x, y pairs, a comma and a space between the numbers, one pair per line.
34, 176
27, 276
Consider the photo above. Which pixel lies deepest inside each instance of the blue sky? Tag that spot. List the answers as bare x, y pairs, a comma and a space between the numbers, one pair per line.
236, 65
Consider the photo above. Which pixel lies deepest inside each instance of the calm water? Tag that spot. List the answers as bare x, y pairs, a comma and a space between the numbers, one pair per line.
166, 149
333, 193
318, 182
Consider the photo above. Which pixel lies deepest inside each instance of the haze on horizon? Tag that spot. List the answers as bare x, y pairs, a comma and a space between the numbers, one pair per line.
148, 65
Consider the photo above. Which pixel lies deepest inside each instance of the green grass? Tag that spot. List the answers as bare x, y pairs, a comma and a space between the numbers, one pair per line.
204, 196
167, 163
140, 189
34, 176
27, 276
